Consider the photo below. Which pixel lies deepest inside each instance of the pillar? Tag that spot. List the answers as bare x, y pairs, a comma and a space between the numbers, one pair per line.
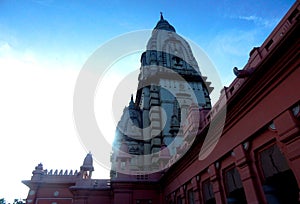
288, 131
216, 182
252, 189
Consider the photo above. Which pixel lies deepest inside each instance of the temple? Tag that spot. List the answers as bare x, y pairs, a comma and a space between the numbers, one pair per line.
161, 142
169, 83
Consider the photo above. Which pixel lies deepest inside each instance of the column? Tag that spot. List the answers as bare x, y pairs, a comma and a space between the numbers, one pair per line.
252, 189
216, 182
288, 130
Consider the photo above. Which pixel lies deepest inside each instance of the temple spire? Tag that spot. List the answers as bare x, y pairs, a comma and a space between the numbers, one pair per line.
161, 16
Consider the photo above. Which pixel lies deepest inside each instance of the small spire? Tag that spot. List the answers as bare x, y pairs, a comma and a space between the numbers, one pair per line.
131, 97
161, 16
131, 103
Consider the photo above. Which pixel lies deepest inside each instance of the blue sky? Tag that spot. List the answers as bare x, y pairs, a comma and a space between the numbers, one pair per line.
44, 44
68, 31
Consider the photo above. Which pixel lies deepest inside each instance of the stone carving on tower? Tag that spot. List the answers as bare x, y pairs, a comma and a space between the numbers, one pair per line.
169, 83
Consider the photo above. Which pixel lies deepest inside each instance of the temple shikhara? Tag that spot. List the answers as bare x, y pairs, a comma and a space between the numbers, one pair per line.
172, 145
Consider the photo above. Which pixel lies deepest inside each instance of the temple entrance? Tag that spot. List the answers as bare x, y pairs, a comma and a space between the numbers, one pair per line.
280, 185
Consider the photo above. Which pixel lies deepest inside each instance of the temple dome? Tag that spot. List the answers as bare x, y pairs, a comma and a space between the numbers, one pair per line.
164, 25
167, 49
87, 163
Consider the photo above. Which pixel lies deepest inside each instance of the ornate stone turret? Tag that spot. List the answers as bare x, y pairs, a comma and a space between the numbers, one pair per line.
169, 82
87, 168
38, 172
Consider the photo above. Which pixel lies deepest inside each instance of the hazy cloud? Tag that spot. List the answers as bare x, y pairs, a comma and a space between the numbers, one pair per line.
268, 23
230, 48
5, 48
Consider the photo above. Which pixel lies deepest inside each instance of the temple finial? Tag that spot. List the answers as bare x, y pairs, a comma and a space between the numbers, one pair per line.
161, 16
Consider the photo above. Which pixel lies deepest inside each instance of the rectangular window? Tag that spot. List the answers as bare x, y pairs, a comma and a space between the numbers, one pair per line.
191, 197
179, 200
234, 186
123, 165
208, 194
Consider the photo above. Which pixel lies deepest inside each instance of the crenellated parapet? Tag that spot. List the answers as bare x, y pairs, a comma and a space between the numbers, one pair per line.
39, 174
56, 172
54, 175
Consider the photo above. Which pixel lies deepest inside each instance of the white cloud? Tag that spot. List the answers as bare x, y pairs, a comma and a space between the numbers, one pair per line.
268, 23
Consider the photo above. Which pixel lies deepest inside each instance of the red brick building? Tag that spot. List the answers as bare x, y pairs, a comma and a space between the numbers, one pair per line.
256, 158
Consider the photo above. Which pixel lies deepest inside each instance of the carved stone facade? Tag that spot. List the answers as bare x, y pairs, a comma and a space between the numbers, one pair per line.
257, 158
